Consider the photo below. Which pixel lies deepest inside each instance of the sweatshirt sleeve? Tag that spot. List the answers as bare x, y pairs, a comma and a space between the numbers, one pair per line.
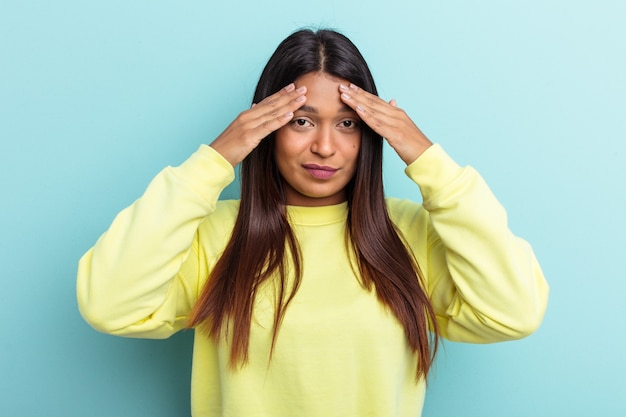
130, 282
484, 282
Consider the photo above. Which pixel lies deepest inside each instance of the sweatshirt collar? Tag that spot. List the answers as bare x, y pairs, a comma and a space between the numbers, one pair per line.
314, 216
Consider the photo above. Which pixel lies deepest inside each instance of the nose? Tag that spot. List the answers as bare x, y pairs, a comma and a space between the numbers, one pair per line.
324, 143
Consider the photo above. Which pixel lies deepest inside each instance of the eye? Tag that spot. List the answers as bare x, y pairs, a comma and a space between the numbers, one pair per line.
300, 123
349, 124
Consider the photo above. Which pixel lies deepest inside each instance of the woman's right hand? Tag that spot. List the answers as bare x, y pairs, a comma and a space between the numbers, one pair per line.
253, 125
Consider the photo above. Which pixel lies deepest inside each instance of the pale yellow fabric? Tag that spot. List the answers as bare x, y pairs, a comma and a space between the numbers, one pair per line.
339, 352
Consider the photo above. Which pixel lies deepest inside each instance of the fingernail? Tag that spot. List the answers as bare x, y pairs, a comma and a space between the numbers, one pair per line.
354, 87
359, 108
346, 96
301, 90
290, 87
288, 115
343, 87
301, 99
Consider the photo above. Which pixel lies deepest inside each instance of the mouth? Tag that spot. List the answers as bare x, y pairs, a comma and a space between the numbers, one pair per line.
320, 172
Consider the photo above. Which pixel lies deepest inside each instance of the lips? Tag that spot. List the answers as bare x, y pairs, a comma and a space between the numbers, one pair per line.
320, 172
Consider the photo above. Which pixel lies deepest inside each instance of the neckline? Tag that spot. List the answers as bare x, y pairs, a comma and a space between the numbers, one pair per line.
315, 216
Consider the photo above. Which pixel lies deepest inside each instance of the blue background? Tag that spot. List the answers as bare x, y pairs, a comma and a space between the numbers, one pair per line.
97, 97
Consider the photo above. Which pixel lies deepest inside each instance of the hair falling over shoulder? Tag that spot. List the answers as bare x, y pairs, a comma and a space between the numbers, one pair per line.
262, 239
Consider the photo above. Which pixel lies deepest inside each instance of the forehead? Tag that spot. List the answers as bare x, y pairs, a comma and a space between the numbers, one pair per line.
322, 92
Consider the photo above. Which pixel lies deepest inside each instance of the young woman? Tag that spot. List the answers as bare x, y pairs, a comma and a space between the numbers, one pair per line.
313, 295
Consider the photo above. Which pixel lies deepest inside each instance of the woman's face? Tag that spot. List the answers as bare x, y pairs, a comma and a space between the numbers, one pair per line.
316, 151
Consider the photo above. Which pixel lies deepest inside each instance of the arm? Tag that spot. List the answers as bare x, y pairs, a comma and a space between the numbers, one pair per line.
129, 283
143, 275
484, 283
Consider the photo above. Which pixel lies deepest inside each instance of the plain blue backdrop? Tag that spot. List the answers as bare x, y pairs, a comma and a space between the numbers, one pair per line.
97, 97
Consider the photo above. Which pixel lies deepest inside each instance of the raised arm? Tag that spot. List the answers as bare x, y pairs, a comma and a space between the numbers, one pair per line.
142, 276
484, 282
129, 282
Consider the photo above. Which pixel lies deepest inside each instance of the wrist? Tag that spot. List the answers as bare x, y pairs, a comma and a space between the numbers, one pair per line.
413, 151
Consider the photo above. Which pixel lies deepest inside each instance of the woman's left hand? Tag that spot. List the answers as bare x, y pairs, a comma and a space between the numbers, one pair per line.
389, 121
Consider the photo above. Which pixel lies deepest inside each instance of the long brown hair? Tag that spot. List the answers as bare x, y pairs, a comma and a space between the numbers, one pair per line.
262, 237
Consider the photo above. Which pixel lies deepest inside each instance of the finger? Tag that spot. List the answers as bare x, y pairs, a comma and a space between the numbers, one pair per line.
272, 113
365, 103
393, 102
287, 100
379, 115
282, 97
279, 116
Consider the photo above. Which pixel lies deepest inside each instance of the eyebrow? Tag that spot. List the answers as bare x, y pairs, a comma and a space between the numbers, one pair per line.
310, 109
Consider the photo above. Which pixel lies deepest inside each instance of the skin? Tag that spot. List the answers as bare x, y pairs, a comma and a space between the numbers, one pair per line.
388, 120
316, 151
318, 140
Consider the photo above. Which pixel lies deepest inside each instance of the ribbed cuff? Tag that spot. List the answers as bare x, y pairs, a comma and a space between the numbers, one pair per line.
206, 171
433, 170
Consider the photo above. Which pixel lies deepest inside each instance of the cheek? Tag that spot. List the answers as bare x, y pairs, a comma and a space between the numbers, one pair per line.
287, 151
281, 144
355, 148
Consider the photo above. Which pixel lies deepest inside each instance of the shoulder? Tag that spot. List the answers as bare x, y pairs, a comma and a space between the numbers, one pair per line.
400, 209
408, 215
413, 224
225, 213
219, 224
227, 207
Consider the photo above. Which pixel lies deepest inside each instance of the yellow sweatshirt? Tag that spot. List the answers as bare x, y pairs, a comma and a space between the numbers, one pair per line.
339, 352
